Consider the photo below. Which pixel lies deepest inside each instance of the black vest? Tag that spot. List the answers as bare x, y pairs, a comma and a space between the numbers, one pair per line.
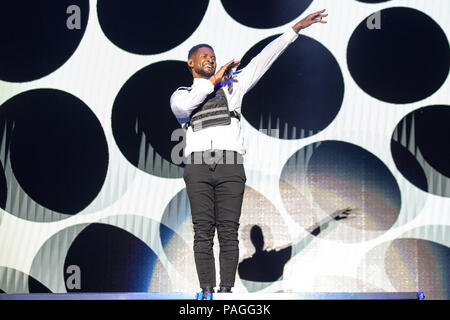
212, 112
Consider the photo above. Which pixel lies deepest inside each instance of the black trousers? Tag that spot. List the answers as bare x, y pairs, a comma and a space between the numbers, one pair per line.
215, 189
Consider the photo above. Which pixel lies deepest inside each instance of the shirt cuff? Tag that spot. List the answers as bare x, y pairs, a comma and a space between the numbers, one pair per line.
290, 35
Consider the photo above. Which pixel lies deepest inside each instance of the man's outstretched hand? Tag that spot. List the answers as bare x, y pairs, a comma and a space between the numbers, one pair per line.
224, 73
309, 20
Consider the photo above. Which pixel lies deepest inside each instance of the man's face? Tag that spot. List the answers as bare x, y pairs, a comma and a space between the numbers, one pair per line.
203, 63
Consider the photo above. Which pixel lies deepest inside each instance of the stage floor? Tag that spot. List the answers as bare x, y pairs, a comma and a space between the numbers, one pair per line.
218, 296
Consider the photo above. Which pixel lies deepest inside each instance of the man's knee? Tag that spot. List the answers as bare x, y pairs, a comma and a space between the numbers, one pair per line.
227, 232
204, 231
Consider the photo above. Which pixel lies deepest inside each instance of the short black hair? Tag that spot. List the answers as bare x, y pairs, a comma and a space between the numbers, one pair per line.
196, 47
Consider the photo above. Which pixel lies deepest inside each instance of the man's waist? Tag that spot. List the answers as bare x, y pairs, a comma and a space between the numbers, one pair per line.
218, 156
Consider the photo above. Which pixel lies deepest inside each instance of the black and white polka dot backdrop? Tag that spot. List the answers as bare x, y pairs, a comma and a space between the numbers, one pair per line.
354, 114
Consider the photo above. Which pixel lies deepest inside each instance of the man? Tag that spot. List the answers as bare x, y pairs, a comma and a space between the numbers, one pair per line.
214, 173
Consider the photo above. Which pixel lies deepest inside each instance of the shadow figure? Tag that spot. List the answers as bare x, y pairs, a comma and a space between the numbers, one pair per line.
268, 266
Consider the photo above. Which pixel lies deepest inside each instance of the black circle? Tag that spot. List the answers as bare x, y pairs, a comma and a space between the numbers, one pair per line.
265, 13
339, 174
367, 179
149, 27
142, 117
59, 153
3, 184
419, 263
35, 286
176, 213
35, 37
110, 259
404, 61
408, 165
423, 136
433, 136
300, 94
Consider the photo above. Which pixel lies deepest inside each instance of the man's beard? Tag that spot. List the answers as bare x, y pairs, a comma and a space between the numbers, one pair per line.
205, 74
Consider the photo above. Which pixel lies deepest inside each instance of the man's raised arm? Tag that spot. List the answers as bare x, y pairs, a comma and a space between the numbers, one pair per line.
256, 68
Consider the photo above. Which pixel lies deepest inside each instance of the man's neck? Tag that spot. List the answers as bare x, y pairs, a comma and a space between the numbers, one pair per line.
199, 76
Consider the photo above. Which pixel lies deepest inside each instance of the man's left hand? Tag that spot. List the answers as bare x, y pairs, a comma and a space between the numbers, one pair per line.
309, 20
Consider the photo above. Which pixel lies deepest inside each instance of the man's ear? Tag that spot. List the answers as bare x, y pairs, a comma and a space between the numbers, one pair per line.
190, 63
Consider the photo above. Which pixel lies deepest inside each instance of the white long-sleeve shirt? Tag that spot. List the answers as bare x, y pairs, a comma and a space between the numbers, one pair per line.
225, 137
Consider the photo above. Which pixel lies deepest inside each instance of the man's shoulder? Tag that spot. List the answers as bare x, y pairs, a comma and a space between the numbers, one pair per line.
184, 88
181, 91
